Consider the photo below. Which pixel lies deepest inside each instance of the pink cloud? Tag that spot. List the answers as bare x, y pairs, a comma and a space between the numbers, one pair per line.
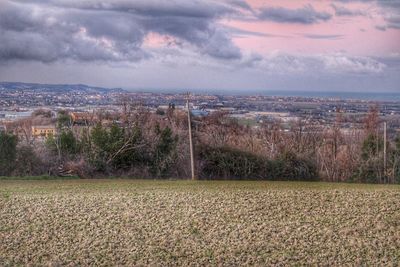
358, 34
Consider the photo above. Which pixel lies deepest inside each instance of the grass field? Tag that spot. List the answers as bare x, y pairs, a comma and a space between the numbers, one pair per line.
168, 223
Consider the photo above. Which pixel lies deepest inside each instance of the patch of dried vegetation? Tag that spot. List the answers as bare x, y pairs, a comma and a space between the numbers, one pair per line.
126, 223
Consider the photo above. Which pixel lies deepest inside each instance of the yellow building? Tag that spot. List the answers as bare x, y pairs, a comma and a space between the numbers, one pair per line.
43, 130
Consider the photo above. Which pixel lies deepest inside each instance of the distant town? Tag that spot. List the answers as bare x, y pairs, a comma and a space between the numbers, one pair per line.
20, 100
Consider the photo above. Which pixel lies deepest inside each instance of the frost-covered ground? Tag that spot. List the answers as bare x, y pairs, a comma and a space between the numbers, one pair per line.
168, 223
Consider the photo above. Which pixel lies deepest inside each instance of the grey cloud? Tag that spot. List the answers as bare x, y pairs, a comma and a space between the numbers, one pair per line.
241, 4
245, 80
213, 47
380, 27
52, 35
344, 11
393, 22
390, 9
389, 3
179, 8
113, 31
208, 38
392, 61
351, 1
323, 36
284, 64
352, 64
236, 32
383, 3
305, 15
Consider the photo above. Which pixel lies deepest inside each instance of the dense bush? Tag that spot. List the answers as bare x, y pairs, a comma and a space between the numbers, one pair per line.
27, 162
164, 155
371, 168
292, 167
65, 145
228, 163
116, 148
8, 153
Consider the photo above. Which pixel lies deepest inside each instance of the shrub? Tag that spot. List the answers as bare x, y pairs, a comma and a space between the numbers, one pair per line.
64, 144
228, 163
292, 167
8, 153
118, 148
27, 162
164, 155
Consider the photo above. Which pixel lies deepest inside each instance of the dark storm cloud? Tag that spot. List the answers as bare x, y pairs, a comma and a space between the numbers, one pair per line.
95, 30
305, 15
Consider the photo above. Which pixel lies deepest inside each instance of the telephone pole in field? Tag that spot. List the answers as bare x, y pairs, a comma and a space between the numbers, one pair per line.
190, 137
384, 148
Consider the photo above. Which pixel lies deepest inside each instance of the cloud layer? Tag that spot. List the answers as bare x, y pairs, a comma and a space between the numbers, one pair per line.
97, 30
283, 38
305, 15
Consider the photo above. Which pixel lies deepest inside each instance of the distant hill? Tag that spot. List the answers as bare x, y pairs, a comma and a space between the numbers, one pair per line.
62, 88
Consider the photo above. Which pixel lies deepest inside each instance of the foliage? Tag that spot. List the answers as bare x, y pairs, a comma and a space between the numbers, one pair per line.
8, 153
27, 162
164, 155
68, 143
65, 144
116, 146
147, 145
295, 168
228, 163
63, 119
224, 163
371, 168
371, 146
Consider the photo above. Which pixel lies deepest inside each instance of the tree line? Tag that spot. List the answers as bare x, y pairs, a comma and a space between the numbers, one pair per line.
141, 144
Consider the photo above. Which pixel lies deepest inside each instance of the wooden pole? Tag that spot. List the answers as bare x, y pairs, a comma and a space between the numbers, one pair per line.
190, 138
377, 150
384, 148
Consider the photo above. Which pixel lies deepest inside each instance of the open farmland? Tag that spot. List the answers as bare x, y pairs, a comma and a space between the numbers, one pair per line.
168, 223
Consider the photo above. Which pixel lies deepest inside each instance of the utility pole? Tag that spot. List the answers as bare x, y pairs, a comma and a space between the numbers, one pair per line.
377, 149
190, 137
384, 148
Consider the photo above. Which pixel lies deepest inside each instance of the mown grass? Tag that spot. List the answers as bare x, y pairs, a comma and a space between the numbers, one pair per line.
168, 223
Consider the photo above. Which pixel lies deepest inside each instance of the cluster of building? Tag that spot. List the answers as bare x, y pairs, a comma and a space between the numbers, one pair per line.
18, 101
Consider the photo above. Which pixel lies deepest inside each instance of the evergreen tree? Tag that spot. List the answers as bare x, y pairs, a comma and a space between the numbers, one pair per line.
8, 153
165, 153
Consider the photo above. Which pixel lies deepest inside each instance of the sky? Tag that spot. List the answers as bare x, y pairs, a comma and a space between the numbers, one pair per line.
224, 45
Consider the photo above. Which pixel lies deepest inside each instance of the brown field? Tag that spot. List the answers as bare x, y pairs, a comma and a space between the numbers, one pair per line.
169, 223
